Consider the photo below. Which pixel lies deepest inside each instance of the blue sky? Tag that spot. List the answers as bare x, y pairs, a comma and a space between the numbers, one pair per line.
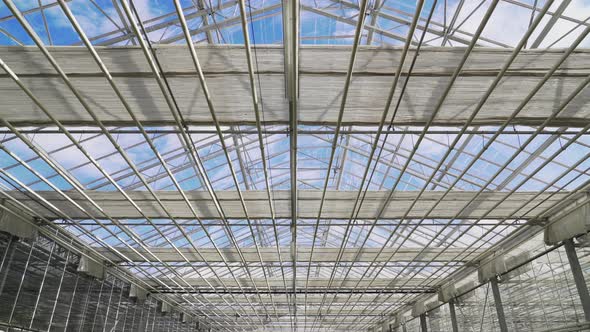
265, 31
507, 23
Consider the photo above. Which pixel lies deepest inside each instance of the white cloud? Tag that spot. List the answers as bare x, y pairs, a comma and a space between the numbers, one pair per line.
509, 22
93, 21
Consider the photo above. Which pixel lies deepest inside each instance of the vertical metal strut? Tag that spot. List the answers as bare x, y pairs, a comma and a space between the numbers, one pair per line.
572, 257
499, 306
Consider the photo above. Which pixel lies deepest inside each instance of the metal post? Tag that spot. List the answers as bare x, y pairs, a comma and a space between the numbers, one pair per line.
141, 318
423, 325
71, 302
7, 260
453, 315
117, 313
499, 307
106, 315
572, 257
9, 246
135, 305
154, 316
147, 317
61, 281
20, 285
168, 321
42, 284
97, 305
88, 293
154, 320
385, 326
127, 305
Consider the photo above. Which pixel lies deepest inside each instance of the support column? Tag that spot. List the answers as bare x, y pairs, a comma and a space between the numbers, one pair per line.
499, 307
423, 325
572, 257
38, 299
96, 312
7, 261
21, 283
61, 282
72, 301
453, 315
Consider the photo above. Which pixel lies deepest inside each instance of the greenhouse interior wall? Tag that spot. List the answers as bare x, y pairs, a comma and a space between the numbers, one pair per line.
42, 289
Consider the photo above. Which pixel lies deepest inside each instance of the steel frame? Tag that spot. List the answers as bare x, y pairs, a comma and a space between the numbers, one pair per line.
361, 159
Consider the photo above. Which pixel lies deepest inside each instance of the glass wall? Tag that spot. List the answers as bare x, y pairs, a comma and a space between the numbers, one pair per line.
41, 290
539, 295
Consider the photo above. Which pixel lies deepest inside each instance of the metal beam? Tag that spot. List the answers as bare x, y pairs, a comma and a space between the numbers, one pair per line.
291, 68
320, 291
31, 11
223, 24
499, 306
352, 22
269, 255
404, 22
321, 74
579, 279
338, 204
277, 283
554, 18
453, 316
423, 324
374, 15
